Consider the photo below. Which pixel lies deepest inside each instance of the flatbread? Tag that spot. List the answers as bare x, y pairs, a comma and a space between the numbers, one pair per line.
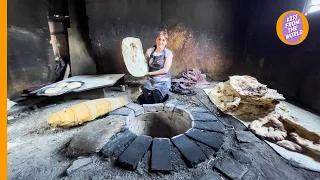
53, 90
74, 85
245, 98
61, 85
133, 56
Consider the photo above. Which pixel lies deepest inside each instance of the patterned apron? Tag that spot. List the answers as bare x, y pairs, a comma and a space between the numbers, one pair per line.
160, 82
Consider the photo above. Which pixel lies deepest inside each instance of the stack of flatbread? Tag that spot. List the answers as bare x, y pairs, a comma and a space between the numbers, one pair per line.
250, 101
63, 86
245, 98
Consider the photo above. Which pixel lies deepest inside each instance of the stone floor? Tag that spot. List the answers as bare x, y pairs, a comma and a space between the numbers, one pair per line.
216, 146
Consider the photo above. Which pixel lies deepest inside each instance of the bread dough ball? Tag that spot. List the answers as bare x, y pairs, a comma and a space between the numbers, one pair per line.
61, 85
74, 85
53, 90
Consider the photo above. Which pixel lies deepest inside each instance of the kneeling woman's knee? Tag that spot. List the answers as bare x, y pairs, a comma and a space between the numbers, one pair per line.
157, 96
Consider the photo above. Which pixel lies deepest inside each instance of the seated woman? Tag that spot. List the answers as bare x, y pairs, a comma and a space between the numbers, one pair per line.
159, 60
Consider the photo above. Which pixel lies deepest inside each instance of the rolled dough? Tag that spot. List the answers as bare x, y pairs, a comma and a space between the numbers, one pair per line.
61, 85
53, 90
74, 85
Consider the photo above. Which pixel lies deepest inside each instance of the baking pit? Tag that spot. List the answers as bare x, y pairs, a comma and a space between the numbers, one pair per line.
160, 124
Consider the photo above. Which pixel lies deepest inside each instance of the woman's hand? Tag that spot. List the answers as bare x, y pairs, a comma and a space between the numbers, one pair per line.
165, 69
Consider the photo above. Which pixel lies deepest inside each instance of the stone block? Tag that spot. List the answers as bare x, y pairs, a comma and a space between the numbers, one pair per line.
78, 164
161, 158
246, 137
190, 150
124, 111
153, 107
211, 175
231, 167
241, 156
203, 116
118, 143
170, 104
212, 139
130, 158
215, 126
138, 109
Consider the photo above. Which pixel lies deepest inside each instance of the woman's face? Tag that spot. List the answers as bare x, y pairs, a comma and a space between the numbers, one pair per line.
161, 41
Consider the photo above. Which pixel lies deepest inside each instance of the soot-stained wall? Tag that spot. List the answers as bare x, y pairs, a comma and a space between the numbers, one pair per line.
204, 34
292, 70
111, 21
30, 56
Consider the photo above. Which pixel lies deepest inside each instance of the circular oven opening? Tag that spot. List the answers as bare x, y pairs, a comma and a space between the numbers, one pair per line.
160, 124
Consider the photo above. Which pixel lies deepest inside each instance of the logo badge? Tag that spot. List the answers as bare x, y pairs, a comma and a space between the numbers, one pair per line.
292, 27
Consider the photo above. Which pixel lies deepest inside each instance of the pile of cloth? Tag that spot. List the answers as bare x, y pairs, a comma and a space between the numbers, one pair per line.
246, 99
187, 82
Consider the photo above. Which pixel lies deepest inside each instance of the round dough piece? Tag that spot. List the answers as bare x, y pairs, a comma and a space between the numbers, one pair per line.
133, 56
53, 90
61, 85
74, 85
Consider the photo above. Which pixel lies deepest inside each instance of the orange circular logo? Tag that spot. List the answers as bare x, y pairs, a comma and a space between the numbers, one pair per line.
292, 27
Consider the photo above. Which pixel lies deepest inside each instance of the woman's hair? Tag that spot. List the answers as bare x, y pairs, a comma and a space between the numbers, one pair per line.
164, 33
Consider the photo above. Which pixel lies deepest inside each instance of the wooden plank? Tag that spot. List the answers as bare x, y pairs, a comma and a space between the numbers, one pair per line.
80, 60
90, 82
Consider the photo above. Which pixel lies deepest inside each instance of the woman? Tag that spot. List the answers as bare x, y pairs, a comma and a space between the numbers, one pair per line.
159, 60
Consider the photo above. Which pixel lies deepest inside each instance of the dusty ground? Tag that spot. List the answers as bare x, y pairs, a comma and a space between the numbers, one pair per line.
35, 151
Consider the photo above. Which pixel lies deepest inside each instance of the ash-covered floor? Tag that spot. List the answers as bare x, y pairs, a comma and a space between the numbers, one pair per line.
35, 151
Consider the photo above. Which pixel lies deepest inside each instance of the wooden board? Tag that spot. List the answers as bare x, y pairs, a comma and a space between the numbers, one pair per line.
80, 60
90, 82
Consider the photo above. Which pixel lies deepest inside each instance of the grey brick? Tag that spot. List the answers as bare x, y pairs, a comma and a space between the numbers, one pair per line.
241, 156
190, 150
201, 110
138, 109
215, 126
212, 139
211, 175
124, 111
153, 107
161, 158
130, 158
246, 137
180, 109
170, 104
208, 151
186, 114
231, 168
203, 116
118, 143
78, 164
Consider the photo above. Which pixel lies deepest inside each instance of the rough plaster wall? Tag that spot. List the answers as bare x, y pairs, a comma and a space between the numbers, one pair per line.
30, 56
81, 59
204, 34
292, 70
111, 21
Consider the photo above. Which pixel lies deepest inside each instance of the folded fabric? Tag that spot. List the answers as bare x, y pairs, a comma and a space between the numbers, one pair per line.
176, 88
191, 79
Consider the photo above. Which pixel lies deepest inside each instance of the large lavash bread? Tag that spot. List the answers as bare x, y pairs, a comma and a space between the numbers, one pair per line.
245, 98
133, 56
